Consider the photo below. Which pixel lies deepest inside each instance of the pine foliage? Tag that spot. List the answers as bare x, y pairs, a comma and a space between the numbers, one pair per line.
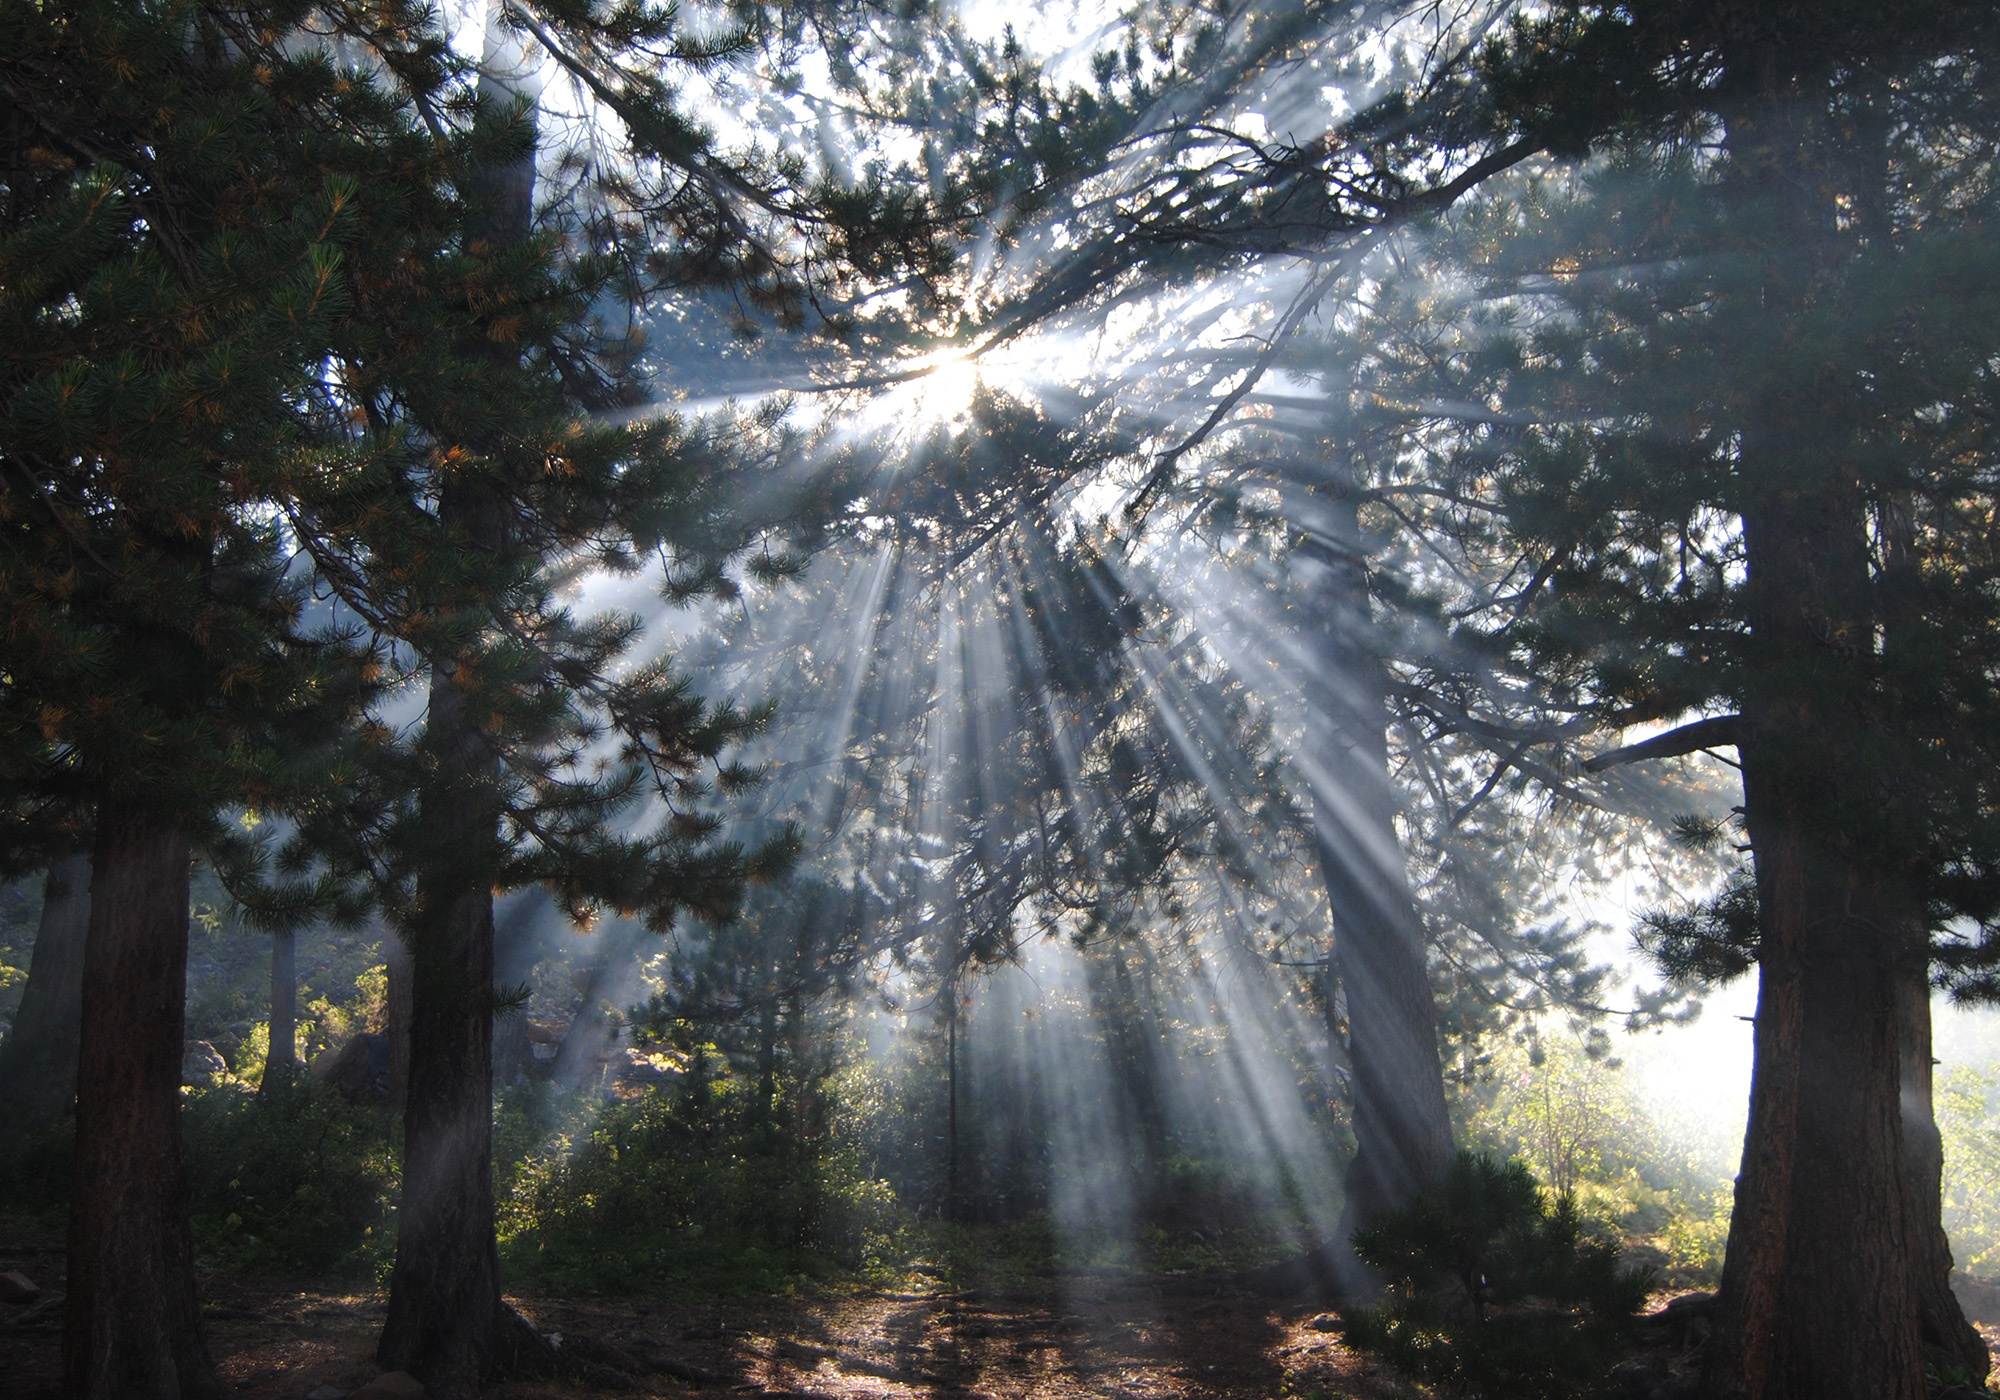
1495, 1291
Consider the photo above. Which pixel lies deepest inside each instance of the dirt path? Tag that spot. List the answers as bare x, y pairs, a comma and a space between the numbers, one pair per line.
1116, 1338
1098, 1337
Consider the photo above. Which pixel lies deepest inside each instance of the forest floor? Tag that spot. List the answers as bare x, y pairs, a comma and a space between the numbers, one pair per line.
1099, 1336
1106, 1336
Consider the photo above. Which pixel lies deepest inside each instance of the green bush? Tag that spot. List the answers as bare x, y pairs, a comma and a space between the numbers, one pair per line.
1494, 1291
666, 1194
294, 1180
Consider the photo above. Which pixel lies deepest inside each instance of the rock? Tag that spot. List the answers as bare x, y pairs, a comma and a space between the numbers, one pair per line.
326, 1392
1326, 1322
1638, 1380
202, 1063
391, 1385
358, 1070
17, 1287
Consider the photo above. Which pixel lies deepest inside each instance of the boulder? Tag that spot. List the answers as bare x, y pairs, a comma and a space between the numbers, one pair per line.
17, 1287
358, 1069
391, 1385
201, 1063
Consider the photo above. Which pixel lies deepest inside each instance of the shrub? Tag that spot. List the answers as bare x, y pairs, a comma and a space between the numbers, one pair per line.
664, 1193
293, 1180
1494, 1291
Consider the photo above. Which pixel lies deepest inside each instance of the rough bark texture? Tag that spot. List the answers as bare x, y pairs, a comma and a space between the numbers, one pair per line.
1402, 1129
38, 1062
281, 1062
400, 973
444, 1296
1820, 1289
131, 1326
1819, 1293
446, 1323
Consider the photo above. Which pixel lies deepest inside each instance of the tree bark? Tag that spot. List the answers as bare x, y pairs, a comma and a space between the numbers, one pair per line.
953, 1199
444, 1296
38, 1062
131, 1326
398, 973
1402, 1128
1819, 1292
1821, 1284
446, 1318
281, 1061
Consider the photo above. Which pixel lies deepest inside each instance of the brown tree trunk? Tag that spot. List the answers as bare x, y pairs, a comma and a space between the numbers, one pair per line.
1819, 1294
446, 1321
281, 1063
399, 972
38, 1062
1402, 1128
131, 1326
444, 1296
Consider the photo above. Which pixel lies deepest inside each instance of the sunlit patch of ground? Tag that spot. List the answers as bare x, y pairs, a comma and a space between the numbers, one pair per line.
1094, 1337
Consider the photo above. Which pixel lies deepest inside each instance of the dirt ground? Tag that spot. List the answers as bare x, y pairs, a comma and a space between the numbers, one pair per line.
1102, 1336
1083, 1336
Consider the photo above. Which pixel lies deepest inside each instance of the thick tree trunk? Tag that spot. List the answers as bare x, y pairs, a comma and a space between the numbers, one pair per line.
444, 1297
400, 973
1820, 1288
131, 1326
1402, 1128
38, 1062
1819, 1293
447, 1322
281, 1063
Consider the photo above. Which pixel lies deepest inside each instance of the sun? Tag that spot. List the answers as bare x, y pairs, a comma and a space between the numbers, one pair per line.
930, 390
946, 390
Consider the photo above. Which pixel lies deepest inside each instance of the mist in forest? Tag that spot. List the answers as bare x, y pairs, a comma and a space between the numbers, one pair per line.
1297, 694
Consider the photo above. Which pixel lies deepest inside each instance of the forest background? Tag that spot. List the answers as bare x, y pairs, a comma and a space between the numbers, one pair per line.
1008, 651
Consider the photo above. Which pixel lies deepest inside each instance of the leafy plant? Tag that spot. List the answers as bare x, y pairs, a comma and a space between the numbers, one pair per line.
1494, 1291
298, 1179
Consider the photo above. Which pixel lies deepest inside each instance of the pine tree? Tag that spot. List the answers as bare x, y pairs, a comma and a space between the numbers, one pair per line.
1749, 470
172, 275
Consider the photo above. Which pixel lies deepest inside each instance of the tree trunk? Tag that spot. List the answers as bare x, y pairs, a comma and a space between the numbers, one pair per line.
281, 1061
952, 1199
446, 1319
580, 1058
767, 1053
399, 972
1819, 1292
38, 1062
1402, 1128
1821, 1285
444, 1296
131, 1326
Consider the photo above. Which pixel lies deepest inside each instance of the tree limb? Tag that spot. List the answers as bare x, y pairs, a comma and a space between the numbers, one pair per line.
1689, 738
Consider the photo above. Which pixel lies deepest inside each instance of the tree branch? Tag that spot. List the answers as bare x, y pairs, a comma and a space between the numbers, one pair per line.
1689, 738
